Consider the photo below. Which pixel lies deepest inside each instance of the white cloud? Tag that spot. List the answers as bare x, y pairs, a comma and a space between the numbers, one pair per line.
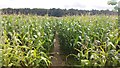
77, 4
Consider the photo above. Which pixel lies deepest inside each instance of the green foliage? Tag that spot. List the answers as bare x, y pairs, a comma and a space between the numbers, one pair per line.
94, 37
112, 2
87, 40
27, 40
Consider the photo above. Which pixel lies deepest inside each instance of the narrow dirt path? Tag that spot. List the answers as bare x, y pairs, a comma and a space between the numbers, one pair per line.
57, 60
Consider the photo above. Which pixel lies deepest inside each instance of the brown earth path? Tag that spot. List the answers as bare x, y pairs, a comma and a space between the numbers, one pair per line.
57, 60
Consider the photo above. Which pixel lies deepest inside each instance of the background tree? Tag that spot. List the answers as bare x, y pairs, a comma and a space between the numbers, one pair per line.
56, 12
113, 3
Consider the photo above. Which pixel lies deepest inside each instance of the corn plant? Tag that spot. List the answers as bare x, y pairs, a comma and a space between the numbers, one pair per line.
94, 37
27, 40
88, 40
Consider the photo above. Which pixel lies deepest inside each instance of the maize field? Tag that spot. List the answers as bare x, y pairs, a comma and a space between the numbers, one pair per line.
27, 40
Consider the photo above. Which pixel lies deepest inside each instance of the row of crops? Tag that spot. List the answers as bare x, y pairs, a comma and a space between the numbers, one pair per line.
89, 40
27, 40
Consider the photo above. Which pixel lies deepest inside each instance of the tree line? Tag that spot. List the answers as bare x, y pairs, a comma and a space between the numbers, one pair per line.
55, 11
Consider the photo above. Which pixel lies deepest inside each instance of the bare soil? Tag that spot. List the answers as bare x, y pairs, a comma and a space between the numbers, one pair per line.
57, 59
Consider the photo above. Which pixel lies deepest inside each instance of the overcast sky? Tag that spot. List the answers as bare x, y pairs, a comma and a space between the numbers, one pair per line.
76, 4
